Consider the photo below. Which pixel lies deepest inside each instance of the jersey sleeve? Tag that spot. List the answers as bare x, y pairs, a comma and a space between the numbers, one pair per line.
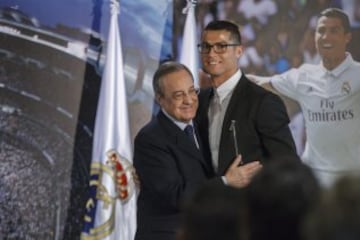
286, 83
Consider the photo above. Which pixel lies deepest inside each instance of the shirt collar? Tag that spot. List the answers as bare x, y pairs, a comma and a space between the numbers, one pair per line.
342, 67
178, 123
227, 87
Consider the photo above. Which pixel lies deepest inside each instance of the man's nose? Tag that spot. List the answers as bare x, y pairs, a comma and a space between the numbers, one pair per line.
188, 98
212, 50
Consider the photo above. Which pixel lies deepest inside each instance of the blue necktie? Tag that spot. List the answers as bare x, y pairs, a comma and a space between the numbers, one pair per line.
189, 131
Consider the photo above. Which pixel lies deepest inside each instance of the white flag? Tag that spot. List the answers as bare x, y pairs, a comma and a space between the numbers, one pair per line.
111, 208
189, 55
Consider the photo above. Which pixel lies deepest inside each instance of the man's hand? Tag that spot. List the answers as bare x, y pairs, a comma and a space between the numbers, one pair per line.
240, 175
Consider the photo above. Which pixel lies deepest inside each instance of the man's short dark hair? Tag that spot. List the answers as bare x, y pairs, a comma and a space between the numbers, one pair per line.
337, 13
337, 215
227, 26
216, 212
279, 198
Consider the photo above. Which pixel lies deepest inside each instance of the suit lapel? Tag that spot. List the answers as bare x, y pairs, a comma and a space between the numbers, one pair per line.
236, 103
237, 100
202, 121
202, 118
179, 138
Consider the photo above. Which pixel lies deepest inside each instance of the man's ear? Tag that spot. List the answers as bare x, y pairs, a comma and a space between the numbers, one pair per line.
348, 37
239, 51
157, 98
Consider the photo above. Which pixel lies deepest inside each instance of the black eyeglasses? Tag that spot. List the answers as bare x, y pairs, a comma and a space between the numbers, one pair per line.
205, 48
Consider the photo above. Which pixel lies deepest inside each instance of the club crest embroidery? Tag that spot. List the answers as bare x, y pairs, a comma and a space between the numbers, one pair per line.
346, 88
109, 182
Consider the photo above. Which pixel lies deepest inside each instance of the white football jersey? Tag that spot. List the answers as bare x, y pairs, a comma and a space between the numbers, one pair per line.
330, 102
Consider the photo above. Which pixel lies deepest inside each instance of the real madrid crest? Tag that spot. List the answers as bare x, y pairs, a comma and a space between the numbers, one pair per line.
123, 175
346, 88
110, 180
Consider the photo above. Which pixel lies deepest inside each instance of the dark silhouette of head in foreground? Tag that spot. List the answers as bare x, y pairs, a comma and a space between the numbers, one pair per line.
337, 216
279, 197
216, 212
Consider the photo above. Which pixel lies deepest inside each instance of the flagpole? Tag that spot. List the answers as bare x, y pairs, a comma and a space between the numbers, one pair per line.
189, 55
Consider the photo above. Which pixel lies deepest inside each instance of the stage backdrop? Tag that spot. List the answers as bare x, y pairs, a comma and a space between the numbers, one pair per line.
52, 54
276, 35
51, 60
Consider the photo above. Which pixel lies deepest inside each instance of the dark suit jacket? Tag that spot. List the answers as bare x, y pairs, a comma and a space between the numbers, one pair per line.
261, 125
170, 168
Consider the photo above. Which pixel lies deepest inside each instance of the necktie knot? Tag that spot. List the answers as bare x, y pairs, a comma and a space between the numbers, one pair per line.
189, 131
215, 106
